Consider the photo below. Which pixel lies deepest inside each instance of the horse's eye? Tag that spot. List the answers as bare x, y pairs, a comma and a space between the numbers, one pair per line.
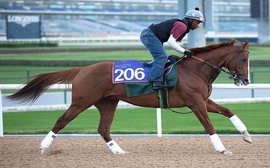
244, 59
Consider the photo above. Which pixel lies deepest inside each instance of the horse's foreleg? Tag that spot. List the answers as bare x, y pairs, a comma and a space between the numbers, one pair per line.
107, 108
201, 113
238, 124
72, 112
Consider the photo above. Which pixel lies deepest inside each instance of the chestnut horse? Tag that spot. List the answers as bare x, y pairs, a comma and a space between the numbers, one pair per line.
92, 85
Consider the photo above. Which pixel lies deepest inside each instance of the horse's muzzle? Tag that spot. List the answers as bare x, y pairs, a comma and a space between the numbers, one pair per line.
240, 80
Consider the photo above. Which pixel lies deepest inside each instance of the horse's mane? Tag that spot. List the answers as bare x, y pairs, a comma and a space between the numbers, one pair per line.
198, 50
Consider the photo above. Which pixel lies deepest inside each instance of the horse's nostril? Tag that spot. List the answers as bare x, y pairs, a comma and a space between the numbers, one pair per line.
246, 82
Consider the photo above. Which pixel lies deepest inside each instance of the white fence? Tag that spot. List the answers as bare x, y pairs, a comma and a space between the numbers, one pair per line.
159, 126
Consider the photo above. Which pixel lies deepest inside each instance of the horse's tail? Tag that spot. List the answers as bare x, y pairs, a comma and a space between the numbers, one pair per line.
35, 87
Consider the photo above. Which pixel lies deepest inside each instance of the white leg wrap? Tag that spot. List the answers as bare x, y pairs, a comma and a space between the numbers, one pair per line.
238, 124
217, 143
46, 142
114, 147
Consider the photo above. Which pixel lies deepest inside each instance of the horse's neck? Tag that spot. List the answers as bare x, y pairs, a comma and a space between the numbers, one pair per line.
216, 57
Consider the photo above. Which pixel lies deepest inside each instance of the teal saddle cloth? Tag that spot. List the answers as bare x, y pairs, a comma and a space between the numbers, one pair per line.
142, 88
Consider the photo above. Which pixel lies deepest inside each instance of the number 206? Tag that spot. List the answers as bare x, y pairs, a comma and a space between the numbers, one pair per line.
129, 74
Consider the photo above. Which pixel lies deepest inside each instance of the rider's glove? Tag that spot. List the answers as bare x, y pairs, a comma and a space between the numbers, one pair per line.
188, 53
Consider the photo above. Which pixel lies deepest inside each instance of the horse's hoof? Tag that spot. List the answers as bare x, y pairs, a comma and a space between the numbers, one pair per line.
247, 138
120, 152
226, 152
42, 151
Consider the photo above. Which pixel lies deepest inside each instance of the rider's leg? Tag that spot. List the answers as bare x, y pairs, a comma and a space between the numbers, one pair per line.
155, 47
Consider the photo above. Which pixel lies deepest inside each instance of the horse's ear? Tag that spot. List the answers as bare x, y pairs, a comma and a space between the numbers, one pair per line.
232, 41
246, 44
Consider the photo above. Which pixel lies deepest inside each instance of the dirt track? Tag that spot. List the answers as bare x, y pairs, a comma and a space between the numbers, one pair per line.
143, 153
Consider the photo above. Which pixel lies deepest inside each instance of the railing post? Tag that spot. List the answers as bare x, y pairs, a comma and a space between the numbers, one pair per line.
252, 81
159, 123
1, 117
65, 96
252, 93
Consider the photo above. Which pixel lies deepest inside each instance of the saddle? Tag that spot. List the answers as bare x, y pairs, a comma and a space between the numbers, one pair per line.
134, 74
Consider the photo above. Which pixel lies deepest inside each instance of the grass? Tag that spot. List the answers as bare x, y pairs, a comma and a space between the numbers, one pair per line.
139, 120
114, 55
66, 47
259, 53
20, 74
256, 53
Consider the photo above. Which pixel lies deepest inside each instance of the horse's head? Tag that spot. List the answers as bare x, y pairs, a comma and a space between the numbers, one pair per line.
238, 64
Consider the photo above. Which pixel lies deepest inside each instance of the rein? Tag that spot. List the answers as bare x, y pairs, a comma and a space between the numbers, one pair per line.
232, 75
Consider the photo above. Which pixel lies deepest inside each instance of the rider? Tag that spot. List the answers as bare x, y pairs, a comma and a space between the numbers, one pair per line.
171, 31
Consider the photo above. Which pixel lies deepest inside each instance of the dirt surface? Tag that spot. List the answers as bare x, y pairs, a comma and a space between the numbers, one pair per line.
172, 152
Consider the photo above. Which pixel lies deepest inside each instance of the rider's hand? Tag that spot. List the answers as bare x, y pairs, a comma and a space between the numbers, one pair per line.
188, 53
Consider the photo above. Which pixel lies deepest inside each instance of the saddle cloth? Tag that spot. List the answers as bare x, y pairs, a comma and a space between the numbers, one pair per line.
135, 75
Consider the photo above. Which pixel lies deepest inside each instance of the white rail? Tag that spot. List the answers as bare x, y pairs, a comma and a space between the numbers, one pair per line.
159, 127
216, 86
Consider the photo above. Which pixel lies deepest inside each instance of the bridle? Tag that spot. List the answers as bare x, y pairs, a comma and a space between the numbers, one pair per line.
239, 58
232, 75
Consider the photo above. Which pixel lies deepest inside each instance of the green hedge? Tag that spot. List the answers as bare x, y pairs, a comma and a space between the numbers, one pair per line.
15, 44
71, 63
69, 49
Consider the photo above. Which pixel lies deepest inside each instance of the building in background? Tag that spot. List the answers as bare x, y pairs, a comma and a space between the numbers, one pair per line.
125, 18
260, 11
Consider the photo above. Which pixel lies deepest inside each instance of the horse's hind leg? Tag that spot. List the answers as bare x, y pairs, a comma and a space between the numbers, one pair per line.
238, 124
107, 108
72, 112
